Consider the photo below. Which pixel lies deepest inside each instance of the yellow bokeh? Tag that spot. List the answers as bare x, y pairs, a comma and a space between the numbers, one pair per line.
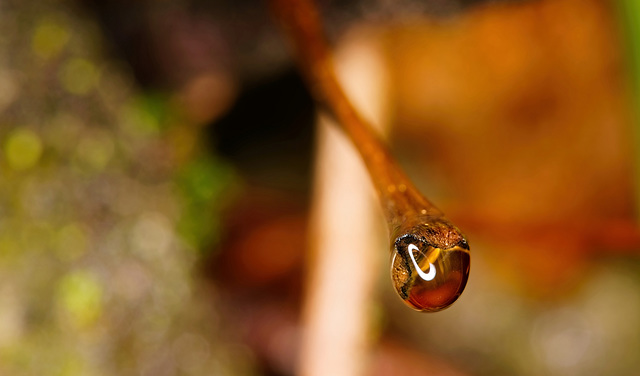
95, 150
80, 298
49, 38
79, 76
23, 149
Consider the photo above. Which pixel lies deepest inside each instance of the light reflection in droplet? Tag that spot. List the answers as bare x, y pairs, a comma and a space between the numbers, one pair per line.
427, 278
432, 270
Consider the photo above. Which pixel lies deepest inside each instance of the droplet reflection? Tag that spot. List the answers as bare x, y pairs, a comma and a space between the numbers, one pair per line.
428, 278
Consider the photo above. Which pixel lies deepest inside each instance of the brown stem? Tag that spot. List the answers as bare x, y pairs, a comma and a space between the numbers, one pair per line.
430, 256
399, 197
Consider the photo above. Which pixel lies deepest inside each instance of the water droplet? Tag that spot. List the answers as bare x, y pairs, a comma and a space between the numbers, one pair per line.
428, 278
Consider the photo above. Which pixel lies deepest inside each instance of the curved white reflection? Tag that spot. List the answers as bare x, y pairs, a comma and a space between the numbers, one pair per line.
426, 276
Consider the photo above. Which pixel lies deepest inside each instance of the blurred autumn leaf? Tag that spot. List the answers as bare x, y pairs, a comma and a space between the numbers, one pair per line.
521, 113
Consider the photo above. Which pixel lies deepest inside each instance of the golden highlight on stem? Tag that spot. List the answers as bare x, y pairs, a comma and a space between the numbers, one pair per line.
418, 229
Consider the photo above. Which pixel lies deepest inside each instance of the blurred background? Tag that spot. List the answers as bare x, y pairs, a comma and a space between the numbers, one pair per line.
156, 182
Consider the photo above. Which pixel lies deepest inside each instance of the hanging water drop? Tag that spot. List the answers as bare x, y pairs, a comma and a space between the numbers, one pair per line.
427, 277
